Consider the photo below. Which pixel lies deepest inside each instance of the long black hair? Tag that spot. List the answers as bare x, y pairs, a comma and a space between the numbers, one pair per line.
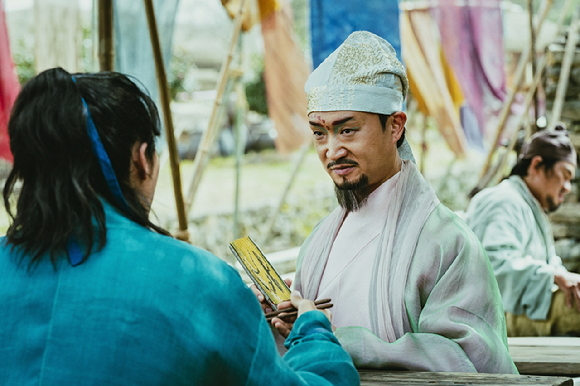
62, 181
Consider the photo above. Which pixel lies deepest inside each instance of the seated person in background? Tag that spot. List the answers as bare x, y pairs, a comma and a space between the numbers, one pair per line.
410, 283
540, 296
93, 293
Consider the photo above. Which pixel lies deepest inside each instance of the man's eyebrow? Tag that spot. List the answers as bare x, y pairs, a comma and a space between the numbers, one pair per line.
335, 123
312, 123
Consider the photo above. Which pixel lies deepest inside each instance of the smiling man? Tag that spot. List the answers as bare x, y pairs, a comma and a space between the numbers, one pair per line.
540, 296
410, 283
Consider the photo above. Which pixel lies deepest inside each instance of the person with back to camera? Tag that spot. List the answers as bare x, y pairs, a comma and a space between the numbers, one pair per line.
93, 293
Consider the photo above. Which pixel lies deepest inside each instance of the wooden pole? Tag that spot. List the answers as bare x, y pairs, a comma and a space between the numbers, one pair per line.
486, 174
527, 104
202, 154
169, 133
240, 135
533, 60
274, 218
106, 44
518, 78
492, 173
569, 53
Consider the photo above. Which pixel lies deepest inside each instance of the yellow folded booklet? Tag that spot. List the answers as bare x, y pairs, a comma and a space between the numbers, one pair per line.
260, 271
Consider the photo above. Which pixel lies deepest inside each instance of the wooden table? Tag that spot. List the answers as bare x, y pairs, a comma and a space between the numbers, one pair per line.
546, 355
411, 378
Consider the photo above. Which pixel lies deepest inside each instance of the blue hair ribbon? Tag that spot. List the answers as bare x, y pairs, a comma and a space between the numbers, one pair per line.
74, 251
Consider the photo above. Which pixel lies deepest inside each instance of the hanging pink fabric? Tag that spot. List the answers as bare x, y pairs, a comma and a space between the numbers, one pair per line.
472, 39
9, 86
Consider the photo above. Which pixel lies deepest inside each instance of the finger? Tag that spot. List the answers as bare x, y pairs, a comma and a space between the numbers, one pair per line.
328, 314
288, 282
285, 304
295, 296
302, 305
282, 327
257, 292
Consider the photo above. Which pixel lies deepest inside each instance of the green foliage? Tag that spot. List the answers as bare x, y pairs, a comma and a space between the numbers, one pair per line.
256, 89
24, 63
182, 62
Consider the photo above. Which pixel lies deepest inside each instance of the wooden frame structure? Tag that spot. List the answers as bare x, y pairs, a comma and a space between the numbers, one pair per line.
226, 79
491, 173
106, 63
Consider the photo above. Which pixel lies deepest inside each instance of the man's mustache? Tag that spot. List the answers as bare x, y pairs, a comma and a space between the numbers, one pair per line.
344, 161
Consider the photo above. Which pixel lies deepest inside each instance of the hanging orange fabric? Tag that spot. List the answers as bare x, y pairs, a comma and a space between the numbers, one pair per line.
285, 72
430, 80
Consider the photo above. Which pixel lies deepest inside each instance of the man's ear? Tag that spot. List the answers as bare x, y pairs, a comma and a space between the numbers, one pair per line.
398, 125
534, 167
140, 160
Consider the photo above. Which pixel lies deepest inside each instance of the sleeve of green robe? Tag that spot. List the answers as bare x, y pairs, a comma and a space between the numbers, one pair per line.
314, 357
509, 233
453, 305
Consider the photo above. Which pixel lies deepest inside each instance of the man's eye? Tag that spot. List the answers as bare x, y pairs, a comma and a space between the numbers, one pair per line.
317, 134
347, 131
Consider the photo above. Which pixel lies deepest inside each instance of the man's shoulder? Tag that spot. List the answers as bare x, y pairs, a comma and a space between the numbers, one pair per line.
504, 193
505, 200
446, 230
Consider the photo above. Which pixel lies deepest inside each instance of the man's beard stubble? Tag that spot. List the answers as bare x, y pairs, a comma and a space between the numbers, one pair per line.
552, 206
352, 196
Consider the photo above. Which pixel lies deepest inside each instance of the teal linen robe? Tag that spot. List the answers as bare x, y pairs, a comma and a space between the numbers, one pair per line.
517, 236
151, 310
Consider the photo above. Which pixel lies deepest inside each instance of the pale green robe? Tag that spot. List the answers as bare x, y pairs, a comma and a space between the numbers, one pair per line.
452, 315
517, 236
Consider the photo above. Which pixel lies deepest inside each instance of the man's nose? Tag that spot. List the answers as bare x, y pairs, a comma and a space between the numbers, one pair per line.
567, 186
335, 150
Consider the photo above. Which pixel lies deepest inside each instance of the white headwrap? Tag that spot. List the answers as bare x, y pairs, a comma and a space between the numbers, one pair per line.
363, 74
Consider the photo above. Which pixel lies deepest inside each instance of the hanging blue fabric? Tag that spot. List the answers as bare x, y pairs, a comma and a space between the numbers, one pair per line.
73, 248
331, 21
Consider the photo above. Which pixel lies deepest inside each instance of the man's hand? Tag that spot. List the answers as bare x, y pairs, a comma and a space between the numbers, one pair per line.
302, 305
569, 283
265, 306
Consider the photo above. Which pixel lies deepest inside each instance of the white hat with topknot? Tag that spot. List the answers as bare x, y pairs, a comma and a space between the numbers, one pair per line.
363, 74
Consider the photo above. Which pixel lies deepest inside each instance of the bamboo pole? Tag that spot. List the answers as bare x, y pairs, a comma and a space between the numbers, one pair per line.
487, 174
518, 78
240, 131
493, 173
106, 44
530, 96
569, 53
167, 117
202, 155
533, 61
278, 210
240, 137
